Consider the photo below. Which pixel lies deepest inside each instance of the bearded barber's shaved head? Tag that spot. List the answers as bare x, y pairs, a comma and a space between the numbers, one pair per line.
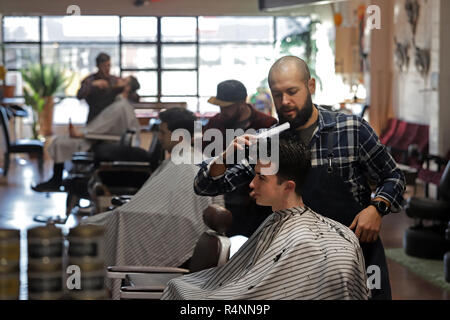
289, 64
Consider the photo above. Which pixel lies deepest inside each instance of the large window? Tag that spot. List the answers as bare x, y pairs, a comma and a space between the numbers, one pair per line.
174, 58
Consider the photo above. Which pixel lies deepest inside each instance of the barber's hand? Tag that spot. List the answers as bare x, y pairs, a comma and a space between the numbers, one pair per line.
100, 83
219, 167
73, 132
367, 224
238, 143
120, 82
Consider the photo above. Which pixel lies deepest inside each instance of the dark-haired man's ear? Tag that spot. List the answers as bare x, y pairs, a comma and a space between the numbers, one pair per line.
312, 85
290, 185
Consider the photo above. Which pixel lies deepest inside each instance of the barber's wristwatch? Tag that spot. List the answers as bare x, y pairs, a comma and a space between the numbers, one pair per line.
381, 206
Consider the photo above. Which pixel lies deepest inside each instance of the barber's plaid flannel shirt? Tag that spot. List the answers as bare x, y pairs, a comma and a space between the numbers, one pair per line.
358, 153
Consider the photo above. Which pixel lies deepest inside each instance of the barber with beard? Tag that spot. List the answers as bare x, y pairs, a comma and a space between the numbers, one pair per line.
345, 154
235, 113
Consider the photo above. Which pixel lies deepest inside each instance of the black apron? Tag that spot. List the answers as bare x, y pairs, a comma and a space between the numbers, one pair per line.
326, 193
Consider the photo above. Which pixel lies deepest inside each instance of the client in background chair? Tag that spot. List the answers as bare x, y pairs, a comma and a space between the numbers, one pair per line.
113, 121
294, 254
162, 222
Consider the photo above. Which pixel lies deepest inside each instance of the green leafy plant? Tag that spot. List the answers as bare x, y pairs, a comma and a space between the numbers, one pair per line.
46, 80
37, 104
303, 38
42, 81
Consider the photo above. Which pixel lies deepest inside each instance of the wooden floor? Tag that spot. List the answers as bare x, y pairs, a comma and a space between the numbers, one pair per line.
19, 204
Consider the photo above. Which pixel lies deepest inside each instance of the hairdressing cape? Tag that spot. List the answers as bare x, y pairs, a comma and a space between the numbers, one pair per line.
115, 120
294, 254
160, 225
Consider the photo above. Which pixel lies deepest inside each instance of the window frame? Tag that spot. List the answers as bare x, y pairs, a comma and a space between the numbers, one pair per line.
158, 43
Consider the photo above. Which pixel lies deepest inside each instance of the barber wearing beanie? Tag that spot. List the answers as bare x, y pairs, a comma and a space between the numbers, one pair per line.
236, 113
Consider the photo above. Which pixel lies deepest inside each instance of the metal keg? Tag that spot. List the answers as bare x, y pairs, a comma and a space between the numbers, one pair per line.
86, 241
9, 264
45, 264
45, 242
86, 256
45, 279
89, 275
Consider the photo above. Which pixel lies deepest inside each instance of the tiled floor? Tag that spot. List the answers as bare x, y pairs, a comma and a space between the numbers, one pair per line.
19, 204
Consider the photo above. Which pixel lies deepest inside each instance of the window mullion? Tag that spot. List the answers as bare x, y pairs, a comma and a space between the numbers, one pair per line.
159, 59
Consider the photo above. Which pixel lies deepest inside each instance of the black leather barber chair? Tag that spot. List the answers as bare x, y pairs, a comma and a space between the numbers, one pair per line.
447, 257
83, 167
28, 146
121, 171
426, 238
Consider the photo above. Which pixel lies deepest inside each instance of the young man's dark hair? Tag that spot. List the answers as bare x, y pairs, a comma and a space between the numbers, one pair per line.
102, 57
178, 118
134, 86
294, 159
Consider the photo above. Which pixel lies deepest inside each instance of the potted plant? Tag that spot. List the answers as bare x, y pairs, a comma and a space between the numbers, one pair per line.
37, 105
8, 91
44, 81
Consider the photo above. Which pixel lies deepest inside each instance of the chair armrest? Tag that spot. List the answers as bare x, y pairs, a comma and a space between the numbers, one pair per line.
120, 272
121, 164
146, 269
150, 281
83, 157
105, 137
142, 288
120, 200
427, 209
440, 161
147, 293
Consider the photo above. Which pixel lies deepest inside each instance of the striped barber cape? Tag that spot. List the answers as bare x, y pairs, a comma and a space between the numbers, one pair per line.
160, 225
295, 254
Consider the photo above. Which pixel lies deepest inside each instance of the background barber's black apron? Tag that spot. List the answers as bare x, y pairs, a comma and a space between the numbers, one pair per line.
326, 193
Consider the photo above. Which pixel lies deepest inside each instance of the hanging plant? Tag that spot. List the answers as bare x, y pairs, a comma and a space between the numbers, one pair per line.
401, 55
304, 40
422, 60
412, 8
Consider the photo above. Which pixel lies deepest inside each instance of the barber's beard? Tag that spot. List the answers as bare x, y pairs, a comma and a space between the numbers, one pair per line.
233, 120
302, 116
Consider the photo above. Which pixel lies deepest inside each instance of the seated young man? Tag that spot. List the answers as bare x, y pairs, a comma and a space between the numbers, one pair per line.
295, 253
162, 222
114, 120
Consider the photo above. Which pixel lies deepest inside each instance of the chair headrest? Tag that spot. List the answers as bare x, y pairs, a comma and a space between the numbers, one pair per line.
217, 218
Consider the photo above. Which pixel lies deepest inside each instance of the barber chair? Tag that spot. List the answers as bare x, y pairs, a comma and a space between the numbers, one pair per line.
364, 110
428, 240
212, 249
111, 170
28, 146
76, 183
447, 257
125, 175
388, 134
